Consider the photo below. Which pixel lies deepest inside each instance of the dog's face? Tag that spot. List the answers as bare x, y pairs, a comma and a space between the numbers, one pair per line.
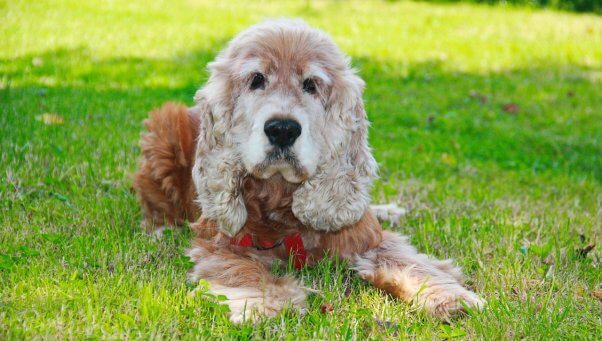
279, 109
281, 79
282, 98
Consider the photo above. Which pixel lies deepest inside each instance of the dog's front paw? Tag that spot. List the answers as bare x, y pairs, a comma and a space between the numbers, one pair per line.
253, 303
448, 302
389, 212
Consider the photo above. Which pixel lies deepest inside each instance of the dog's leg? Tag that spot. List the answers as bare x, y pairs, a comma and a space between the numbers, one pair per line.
396, 267
251, 290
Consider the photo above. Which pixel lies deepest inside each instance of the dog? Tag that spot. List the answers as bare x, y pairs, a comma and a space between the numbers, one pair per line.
272, 165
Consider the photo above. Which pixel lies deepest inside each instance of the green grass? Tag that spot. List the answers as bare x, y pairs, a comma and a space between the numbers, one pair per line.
510, 196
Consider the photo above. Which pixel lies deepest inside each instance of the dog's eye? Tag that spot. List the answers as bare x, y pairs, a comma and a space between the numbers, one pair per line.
258, 81
309, 86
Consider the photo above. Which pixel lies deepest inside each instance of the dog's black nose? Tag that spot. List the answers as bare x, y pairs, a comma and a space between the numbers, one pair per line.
282, 133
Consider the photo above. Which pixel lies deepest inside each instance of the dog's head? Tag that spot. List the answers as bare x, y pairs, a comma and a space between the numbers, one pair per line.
282, 98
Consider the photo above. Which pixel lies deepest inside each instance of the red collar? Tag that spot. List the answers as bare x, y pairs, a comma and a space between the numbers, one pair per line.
292, 243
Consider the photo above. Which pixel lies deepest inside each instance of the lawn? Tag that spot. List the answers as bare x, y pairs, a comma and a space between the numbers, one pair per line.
486, 122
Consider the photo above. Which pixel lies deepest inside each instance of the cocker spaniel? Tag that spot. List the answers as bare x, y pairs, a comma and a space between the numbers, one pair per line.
272, 165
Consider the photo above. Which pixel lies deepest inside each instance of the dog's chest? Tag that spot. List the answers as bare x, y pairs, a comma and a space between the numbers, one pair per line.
268, 203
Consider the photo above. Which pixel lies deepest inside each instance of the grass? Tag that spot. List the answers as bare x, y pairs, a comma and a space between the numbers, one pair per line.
509, 193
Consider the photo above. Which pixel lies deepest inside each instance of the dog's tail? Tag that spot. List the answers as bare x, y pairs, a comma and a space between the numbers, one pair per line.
163, 181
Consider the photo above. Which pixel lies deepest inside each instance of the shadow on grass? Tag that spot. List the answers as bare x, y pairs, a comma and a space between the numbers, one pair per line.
427, 119
583, 6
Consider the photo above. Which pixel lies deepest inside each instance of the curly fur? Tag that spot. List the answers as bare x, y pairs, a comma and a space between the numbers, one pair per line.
163, 181
216, 155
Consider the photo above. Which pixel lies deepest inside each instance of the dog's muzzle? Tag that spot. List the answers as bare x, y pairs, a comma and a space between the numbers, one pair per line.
281, 158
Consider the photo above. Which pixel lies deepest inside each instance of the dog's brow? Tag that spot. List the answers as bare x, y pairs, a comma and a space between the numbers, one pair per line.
315, 70
250, 66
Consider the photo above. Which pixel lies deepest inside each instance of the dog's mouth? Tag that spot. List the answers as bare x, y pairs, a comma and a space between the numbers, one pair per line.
283, 161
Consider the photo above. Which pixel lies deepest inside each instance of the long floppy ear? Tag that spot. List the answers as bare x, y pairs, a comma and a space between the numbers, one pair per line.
339, 193
218, 170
